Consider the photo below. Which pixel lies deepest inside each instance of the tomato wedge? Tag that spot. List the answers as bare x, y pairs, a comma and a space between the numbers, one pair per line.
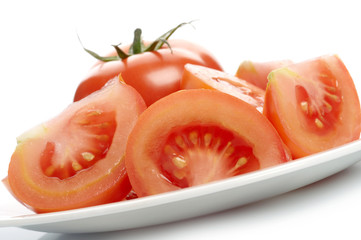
196, 76
313, 105
257, 72
77, 158
196, 136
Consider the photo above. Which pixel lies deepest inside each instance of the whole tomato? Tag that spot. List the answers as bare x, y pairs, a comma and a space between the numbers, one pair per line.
154, 69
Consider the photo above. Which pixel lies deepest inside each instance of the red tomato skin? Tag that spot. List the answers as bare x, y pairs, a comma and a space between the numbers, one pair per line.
104, 182
153, 74
289, 120
188, 107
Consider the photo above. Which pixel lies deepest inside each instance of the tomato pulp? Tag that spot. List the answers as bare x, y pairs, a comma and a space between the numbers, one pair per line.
196, 136
77, 158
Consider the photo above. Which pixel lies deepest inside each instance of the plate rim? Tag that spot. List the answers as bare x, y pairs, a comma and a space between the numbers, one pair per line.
186, 193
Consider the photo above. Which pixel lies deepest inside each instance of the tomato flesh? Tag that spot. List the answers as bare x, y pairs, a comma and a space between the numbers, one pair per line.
198, 154
313, 105
77, 158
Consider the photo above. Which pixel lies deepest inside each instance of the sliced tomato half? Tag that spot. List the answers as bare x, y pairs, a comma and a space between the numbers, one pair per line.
196, 136
313, 105
77, 159
196, 76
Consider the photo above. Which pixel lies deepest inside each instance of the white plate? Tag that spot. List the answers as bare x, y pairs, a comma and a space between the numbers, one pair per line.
194, 201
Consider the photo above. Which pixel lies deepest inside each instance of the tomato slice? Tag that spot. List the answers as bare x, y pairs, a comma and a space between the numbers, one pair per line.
313, 105
196, 76
77, 158
196, 136
257, 72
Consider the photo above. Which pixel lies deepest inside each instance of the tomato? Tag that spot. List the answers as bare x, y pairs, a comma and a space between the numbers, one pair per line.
77, 158
196, 136
313, 105
153, 74
257, 72
195, 76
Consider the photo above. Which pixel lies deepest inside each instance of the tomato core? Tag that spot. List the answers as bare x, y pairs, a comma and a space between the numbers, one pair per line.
199, 154
93, 131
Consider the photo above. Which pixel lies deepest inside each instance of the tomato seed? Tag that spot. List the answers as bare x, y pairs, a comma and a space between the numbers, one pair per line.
318, 123
180, 142
179, 161
241, 161
103, 125
88, 156
103, 137
332, 97
50, 171
331, 89
179, 174
193, 137
168, 150
229, 150
312, 110
323, 75
83, 122
327, 106
94, 113
304, 106
76, 166
207, 139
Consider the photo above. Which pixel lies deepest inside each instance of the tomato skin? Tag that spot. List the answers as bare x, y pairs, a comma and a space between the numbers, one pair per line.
196, 108
196, 76
257, 72
153, 74
313, 105
104, 182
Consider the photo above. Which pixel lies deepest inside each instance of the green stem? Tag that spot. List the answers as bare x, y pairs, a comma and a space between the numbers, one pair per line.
120, 52
138, 47
137, 42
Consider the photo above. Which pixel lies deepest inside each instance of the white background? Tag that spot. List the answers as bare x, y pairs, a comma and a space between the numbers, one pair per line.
42, 62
